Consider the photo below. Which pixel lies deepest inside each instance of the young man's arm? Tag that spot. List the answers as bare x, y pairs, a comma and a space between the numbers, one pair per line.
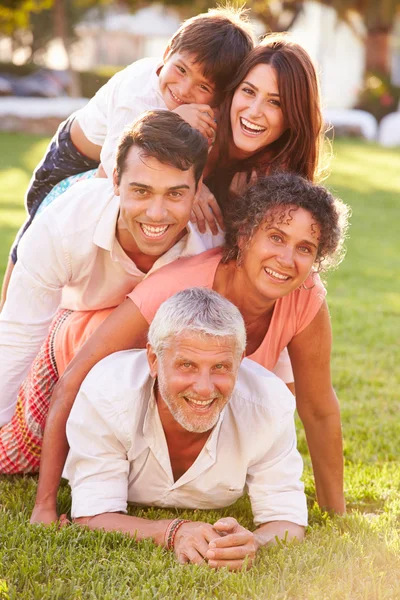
318, 408
6, 282
33, 297
125, 328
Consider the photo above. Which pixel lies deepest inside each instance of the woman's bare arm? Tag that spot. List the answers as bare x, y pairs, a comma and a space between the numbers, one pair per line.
318, 408
123, 329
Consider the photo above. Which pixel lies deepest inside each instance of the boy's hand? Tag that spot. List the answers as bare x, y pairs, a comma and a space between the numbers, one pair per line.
206, 210
234, 549
200, 117
44, 515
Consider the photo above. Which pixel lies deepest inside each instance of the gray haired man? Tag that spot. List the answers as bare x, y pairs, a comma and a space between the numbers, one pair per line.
187, 424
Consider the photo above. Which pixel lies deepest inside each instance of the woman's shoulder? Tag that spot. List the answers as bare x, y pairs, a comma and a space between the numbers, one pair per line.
301, 306
189, 267
192, 271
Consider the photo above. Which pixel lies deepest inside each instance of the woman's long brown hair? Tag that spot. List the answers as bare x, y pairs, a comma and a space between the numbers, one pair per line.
298, 149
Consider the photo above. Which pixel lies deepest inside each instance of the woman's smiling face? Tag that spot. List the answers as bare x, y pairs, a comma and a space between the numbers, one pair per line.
282, 252
256, 115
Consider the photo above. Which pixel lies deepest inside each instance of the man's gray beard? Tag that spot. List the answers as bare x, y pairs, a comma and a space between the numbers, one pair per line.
175, 411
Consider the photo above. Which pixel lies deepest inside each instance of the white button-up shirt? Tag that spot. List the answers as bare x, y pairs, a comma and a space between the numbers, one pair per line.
70, 258
118, 451
118, 103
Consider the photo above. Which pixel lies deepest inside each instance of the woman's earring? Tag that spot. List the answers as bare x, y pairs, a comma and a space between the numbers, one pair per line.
303, 285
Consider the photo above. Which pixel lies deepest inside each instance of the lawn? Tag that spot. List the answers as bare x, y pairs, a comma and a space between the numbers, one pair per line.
352, 557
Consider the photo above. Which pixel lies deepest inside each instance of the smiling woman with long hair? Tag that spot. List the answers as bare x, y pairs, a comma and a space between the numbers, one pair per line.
270, 121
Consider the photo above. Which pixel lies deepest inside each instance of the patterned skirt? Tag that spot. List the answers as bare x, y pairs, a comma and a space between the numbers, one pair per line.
21, 439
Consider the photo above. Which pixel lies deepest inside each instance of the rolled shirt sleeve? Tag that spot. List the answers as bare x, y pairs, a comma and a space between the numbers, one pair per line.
97, 466
33, 297
274, 486
92, 118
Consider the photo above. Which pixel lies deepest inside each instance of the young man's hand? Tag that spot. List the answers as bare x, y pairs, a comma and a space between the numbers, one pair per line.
235, 548
200, 117
206, 210
44, 515
192, 542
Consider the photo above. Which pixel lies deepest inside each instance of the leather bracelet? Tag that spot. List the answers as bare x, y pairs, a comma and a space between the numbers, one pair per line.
171, 531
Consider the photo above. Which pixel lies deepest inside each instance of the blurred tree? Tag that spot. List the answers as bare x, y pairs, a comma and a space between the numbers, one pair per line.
378, 17
279, 15
31, 24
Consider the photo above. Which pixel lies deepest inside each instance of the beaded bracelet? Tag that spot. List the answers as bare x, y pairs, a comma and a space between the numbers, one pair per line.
171, 531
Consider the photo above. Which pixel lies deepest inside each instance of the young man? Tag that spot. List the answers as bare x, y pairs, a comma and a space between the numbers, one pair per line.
91, 247
185, 427
200, 60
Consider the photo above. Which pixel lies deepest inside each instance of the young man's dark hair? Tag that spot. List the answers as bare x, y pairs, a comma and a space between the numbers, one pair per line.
219, 39
164, 135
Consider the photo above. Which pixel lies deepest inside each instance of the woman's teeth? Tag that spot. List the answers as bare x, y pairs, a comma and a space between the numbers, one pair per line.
276, 275
153, 231
251, 127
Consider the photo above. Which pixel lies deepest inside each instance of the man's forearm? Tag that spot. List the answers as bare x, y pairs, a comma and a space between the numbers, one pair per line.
136, 527
324, 438
283, 530
55, 447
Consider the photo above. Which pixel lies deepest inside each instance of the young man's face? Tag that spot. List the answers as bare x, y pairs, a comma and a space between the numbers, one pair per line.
155, 202
182, 82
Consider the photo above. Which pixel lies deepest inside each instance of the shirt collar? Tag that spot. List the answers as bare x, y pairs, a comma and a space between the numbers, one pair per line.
191, 244
154, 434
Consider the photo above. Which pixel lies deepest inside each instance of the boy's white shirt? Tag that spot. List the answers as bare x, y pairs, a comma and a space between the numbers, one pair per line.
118, 103
70, 258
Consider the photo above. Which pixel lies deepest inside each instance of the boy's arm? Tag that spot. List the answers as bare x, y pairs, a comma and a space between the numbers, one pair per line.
33, 297
82, 143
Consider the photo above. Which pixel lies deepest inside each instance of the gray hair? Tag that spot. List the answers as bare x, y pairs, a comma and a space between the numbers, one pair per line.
197, 310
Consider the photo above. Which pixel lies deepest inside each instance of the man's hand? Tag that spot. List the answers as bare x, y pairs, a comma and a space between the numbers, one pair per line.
235, 548
192, 542
44, 515
206, 210
200, 117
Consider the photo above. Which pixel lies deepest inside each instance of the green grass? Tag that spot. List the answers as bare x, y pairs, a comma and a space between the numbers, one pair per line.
352, 557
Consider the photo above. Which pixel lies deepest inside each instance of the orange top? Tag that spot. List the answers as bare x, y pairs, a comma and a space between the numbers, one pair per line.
291, 315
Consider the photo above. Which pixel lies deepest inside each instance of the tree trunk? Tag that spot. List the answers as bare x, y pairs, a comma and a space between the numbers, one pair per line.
61, 32
377, 45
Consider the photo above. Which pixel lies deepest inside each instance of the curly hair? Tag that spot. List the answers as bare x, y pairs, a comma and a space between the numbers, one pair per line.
271, 200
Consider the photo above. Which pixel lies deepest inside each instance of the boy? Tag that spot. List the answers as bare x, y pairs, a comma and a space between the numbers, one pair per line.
199, 61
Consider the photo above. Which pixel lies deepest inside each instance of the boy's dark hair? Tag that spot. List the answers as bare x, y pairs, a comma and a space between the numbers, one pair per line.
164, 135
219, 40
273, 199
